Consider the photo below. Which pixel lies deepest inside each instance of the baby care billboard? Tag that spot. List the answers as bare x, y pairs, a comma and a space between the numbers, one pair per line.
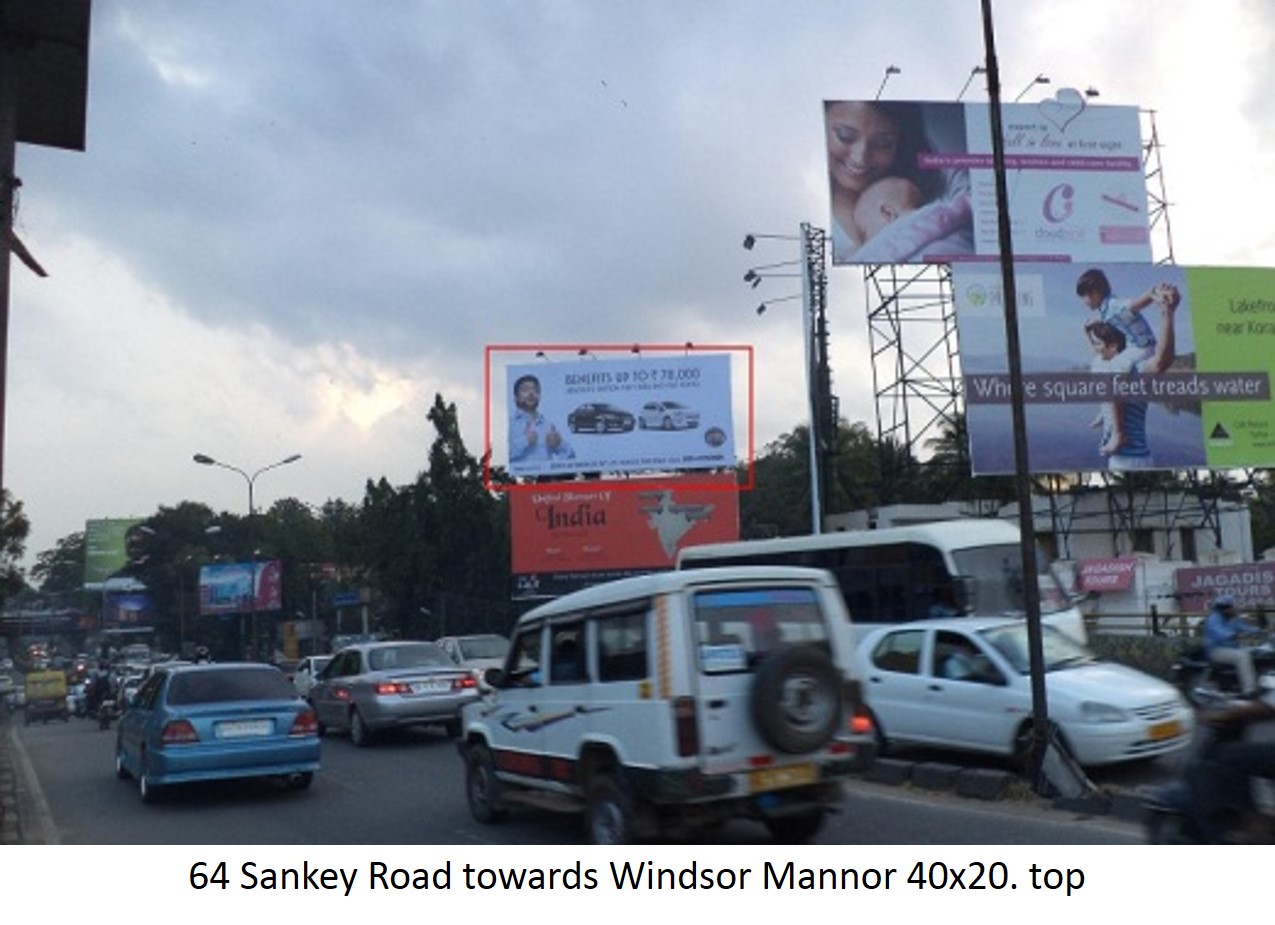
1125, 366
914, 182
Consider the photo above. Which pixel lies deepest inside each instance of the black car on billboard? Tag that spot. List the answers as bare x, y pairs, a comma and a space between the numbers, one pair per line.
600, 418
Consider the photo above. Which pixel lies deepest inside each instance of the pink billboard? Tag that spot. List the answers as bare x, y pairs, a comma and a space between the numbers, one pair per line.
1252, 584
1105, 574
914, 182
241, 587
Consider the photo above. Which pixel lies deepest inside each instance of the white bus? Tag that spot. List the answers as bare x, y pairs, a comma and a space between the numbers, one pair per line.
953, 567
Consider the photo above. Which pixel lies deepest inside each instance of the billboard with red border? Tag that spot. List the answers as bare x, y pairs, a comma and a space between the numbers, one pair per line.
571, 535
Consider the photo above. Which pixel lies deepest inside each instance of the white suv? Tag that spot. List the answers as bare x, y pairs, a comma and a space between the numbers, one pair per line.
670, 702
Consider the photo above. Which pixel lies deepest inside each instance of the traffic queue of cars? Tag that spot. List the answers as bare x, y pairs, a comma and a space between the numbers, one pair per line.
658, 705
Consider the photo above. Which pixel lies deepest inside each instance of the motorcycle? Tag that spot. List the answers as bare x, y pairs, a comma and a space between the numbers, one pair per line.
77, 700
1203, 682
107, 712
1172, 814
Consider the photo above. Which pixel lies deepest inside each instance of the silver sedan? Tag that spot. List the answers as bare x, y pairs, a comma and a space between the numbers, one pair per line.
373, 686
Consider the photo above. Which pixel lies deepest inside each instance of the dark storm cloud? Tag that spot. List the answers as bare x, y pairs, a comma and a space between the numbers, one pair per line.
371, 172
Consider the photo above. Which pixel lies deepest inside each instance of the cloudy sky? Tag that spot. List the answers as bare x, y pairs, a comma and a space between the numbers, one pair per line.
294, 223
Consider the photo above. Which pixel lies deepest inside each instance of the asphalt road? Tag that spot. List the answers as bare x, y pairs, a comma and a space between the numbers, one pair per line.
409, 790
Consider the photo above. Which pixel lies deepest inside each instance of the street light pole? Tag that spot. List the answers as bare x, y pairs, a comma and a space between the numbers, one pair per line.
181, 606
205, 460
1022, 470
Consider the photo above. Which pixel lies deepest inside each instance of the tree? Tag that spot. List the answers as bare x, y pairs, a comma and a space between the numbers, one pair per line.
14, 530
947, 475
865, 473
61, 569
438, 548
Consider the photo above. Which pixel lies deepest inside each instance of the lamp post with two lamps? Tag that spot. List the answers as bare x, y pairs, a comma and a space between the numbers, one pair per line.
178, 560
251, 479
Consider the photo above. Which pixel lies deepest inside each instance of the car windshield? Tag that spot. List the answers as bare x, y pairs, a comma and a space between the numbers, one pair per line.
228, 684
483, 647
318, 663
412, 655
1059, 650
997, 574
734, 629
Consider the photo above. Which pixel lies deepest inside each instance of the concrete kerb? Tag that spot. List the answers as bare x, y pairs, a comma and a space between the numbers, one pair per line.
985, 783
935, 775
989, 784
10, 830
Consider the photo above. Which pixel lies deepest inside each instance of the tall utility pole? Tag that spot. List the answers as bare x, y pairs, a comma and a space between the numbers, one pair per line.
1022, 475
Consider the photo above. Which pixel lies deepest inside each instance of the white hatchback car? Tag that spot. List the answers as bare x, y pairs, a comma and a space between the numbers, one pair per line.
667, 415
674, 701
486, 650
964, 684
307, 671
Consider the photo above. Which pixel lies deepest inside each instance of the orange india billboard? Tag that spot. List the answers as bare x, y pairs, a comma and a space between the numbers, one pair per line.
572, 535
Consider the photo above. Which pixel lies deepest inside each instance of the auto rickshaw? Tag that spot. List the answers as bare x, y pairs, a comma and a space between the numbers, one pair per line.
46, 697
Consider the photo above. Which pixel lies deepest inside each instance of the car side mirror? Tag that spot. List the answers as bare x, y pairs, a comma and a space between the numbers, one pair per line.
494, 677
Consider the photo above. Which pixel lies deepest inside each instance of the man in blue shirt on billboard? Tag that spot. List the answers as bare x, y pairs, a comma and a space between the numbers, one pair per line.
531, 435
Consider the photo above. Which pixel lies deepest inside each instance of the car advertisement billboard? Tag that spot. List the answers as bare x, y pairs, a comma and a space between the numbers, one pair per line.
1111, 380
106, 546
629, 415
573, 535
241, 587
913, 182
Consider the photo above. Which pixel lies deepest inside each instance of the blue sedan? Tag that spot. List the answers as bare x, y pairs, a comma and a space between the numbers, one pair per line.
213, 722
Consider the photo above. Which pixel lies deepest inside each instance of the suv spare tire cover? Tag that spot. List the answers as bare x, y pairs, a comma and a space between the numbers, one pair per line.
796, 699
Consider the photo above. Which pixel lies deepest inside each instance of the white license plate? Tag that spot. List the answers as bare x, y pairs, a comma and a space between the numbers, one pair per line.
244, 728
431, 687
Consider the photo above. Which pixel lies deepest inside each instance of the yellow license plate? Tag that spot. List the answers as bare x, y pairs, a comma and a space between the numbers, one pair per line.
1161, 731
793, 775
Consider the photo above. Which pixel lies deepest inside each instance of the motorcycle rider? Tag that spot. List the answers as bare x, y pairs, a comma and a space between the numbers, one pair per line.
97, 689
1221, 784
1223, 628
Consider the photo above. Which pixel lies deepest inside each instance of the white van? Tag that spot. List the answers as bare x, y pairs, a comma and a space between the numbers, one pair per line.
673, 701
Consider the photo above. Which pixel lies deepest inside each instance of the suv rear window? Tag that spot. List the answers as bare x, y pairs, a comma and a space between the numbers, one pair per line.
213, 686
734, 629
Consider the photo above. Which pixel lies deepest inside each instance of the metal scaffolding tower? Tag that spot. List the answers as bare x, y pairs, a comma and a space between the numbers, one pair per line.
918, 393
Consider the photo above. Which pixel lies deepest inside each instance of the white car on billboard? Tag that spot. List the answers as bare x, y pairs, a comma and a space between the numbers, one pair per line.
667, 415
